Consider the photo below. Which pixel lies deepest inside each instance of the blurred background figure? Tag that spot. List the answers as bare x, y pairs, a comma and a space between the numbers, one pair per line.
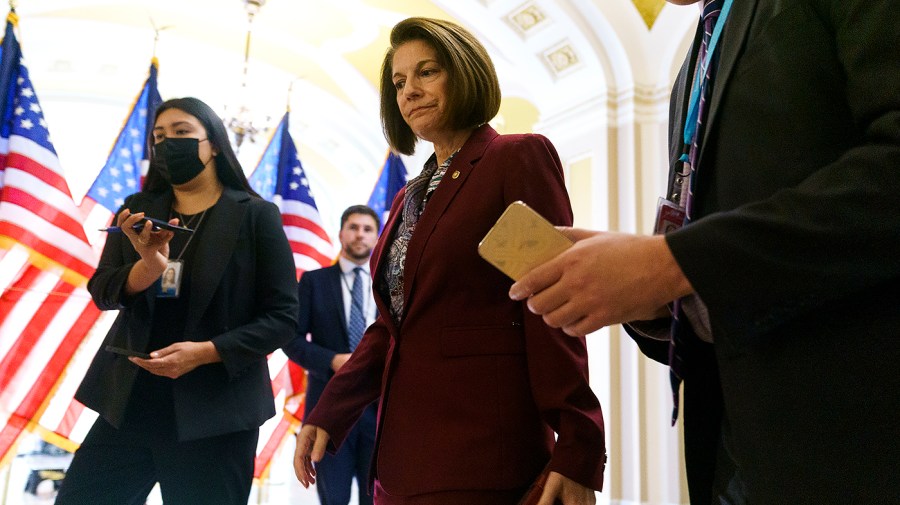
336, 306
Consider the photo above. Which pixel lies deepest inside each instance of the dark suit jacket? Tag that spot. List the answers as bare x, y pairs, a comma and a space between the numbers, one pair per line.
795, 251
472, 384
243, 298
322, 316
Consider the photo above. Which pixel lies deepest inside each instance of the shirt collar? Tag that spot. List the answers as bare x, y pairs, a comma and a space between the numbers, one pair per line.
347, 266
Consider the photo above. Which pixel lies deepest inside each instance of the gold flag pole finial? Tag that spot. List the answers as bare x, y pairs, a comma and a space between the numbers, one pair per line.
12, 17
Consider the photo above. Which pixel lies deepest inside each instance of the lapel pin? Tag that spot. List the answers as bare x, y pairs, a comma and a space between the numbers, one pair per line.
455, 174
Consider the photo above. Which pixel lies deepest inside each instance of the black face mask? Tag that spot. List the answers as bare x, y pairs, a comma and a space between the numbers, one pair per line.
178, 159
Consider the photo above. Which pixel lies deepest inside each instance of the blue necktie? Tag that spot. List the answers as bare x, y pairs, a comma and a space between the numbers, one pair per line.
711, 11
357, 324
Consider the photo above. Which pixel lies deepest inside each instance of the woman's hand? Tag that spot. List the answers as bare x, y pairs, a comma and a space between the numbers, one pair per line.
152, 246
178, 359
148, 243
566, 491
311, 443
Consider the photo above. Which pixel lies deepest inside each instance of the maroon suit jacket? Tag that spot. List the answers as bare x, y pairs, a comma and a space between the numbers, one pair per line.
471, 384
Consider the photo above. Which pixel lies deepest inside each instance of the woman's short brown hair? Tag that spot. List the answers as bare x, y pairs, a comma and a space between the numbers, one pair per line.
473, 92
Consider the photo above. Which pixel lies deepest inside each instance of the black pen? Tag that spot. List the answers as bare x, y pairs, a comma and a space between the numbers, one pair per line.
138, 227
157, 225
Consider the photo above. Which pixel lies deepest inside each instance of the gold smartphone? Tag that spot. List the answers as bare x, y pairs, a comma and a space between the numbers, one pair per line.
520, 240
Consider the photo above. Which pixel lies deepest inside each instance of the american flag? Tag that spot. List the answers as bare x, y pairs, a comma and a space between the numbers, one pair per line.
65, 421
279, 177
123, 173
45, 312
391, 179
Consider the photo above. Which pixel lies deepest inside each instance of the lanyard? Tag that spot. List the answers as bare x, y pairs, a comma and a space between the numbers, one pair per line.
690, 125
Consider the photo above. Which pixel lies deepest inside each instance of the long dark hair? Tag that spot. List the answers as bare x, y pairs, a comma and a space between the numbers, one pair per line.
227, 166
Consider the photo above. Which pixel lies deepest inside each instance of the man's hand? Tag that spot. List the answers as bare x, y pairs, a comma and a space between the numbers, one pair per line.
605, 278
178, 359
338, 360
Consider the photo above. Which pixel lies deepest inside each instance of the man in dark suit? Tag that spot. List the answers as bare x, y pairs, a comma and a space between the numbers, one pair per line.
787, 277
325, 341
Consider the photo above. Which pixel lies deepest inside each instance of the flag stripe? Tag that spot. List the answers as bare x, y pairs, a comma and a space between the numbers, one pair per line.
62, 404
307, 250
70, 418
305, 263
12, 428
53, 316
82, 270
14, 293
274, 440
53, 216
304, 235
14, 262
292, 220
20, 160
38, 393
28, 339
30, 293
43, 210
278, 382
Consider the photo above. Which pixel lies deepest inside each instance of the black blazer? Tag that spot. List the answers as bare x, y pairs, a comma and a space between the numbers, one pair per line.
322, 315
243, 298
795, 252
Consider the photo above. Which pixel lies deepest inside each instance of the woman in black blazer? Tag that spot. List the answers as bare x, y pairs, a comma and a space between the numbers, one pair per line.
187, 417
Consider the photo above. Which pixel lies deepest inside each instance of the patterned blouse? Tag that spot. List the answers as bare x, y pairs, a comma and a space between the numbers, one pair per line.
418, 191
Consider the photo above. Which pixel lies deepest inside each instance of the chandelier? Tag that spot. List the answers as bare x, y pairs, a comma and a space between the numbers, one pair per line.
241, 124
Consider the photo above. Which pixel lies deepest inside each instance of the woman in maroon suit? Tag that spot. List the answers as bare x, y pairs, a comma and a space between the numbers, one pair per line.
472, 385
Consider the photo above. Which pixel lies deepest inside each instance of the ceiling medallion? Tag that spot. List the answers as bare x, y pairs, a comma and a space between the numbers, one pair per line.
527, 17
561, 58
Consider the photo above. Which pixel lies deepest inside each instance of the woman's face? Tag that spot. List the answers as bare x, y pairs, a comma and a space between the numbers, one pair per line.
176, 123
421, 85
182, 157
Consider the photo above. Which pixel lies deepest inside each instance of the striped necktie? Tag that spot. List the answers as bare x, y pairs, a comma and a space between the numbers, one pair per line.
356, 326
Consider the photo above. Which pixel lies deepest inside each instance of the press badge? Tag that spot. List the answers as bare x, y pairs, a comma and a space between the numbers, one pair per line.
669, 217
670, 212
169, 285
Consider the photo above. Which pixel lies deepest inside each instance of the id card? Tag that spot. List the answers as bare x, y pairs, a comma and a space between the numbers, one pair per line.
169, 285
520, 240
669, 217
